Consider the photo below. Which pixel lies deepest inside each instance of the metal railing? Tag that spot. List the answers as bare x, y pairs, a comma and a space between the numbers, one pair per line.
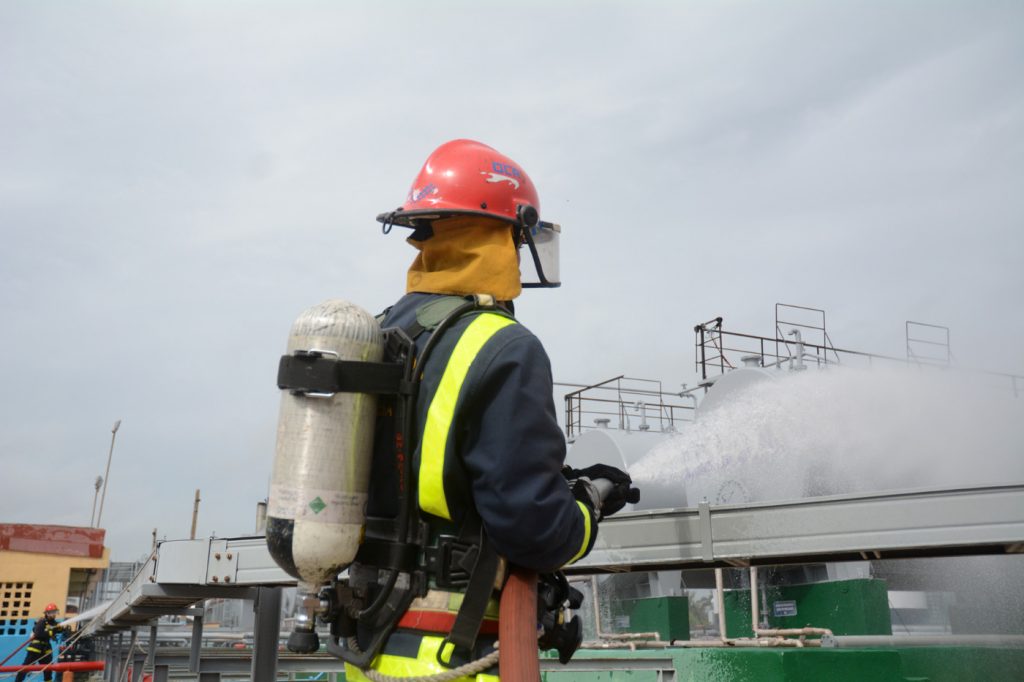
626, 403
802, 320
928, 343
718, 350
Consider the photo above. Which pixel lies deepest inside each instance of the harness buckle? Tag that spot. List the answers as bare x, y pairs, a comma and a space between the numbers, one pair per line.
451, 561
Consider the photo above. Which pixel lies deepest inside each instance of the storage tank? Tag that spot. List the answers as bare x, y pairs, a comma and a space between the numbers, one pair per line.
623, 449
730, 383
626, 448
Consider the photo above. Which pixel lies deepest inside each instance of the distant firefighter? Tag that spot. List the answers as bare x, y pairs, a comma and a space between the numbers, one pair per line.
39, 649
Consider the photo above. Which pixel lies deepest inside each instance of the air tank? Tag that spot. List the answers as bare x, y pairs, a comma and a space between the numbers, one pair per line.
317, 504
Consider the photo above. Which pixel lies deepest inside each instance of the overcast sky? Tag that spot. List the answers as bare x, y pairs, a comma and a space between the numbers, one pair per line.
179, 180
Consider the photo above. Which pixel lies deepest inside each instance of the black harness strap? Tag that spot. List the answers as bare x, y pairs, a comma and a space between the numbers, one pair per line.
313, 372
482, 574
385, 554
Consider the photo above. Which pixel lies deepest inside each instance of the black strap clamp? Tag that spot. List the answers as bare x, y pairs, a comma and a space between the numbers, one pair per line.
451, 562
320, 374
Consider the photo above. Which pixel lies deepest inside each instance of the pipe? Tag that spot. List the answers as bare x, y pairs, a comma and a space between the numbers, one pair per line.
851, 641
720, 600
793, 632
261, 517
106, 474
517, 627
747, 643
74, 666
755, 603
706, 644
195, 515
799, 365
689, 393
633, 646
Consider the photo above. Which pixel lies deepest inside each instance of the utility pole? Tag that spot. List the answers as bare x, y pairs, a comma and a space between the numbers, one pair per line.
95, 497
195, 515
106, 476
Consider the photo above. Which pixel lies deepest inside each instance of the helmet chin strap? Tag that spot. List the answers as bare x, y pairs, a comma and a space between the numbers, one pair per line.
422, 232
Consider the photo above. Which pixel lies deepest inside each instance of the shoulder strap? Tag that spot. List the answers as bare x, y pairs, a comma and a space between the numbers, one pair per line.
429, 315
482, 576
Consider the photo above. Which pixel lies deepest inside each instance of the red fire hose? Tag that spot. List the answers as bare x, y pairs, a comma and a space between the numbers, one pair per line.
74, 666
517, 628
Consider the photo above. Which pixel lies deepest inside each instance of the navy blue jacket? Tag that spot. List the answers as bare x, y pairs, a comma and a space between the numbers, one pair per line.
508, 446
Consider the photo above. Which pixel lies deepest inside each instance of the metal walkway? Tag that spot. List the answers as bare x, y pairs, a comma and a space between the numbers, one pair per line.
926, 523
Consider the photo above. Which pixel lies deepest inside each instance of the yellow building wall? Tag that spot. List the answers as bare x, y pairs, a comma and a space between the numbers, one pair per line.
43, 578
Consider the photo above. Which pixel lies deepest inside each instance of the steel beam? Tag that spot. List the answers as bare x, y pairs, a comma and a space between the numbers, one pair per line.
197, 644
926, 523
197, 592
151, 657
266, 632
157, 611
126, 656
108, 663
138, 664
115, 672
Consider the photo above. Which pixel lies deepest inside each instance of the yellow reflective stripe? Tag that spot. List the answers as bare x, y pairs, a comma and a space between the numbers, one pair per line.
424, 664
441, 412
455, 600
586, 532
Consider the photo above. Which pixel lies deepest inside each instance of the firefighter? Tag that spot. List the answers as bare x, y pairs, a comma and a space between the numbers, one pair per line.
489, 444
39, 649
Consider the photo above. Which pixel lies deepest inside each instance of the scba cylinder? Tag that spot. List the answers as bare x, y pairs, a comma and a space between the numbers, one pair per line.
317, 505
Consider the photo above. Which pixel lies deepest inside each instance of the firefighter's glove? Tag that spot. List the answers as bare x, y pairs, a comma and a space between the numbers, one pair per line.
620, 493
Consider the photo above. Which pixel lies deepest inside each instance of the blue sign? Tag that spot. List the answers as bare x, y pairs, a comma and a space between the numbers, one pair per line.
783, 609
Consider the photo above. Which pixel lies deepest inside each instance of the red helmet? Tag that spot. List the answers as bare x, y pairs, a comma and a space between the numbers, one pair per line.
50, 607
467, 177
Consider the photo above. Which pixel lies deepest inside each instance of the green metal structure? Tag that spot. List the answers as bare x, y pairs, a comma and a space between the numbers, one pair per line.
897, 664
846, 607
668, 616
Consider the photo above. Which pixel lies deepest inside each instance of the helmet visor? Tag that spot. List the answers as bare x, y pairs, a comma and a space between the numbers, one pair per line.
541, 268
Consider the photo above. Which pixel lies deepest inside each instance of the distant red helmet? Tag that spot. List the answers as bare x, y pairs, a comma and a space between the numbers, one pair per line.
467, 177
50, 607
